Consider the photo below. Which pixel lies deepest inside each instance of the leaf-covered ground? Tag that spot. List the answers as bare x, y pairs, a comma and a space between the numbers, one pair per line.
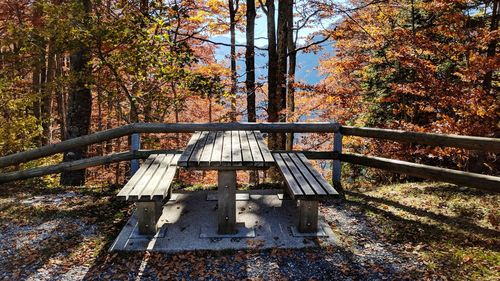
407, 231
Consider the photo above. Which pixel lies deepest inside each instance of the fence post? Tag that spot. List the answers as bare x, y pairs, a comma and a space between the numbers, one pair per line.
337, 165
135, 145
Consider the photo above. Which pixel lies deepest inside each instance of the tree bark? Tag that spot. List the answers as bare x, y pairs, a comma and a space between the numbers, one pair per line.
282, 68
39, 68
272, 69
292, 62
250, 61
250, 72
79, 103
492, 46
60, 98
233, 9
46, 109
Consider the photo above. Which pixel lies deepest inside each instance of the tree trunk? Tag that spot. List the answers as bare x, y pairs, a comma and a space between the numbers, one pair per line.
79, 104
60, 98
47, 98
250, 72
492, 46
272, 70
250, 61
292, 62
282, 68
39, 69
232, 28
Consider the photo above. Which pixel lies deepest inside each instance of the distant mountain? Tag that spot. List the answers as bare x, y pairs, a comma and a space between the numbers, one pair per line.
307, 63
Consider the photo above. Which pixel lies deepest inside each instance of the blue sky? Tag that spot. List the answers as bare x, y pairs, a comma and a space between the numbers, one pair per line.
306, 63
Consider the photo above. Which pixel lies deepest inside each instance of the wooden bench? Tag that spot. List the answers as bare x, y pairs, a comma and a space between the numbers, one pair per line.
306, 184
149, 187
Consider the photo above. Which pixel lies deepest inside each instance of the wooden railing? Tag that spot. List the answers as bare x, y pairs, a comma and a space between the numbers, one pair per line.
480, 181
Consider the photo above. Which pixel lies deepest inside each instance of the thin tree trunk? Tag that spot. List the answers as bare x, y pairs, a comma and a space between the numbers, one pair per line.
292, 62
233, 9
79, 104
60, 98
46, 109
100, 126
109, 125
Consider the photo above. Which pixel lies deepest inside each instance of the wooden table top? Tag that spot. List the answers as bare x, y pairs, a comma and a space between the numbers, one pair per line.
216, 150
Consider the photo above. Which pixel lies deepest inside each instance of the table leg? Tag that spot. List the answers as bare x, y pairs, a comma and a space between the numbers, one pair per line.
227, 202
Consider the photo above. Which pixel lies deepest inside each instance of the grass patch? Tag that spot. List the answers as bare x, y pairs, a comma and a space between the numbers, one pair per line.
454, 230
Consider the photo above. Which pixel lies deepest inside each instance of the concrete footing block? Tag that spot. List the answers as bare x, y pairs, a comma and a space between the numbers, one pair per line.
243, 232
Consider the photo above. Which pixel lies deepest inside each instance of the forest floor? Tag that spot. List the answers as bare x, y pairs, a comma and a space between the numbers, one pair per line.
407, 231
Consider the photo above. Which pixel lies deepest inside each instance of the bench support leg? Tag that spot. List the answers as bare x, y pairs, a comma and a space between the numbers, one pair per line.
308, 216
148, 213
226, 216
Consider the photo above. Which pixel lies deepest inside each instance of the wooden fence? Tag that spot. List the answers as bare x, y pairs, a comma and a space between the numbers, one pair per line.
480, 181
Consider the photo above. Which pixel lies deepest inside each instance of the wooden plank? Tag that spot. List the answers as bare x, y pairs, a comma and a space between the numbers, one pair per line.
324, 183
164, 186
479, 181
303, 184
266, 154
148, 191
226, 149
245, 149
194, 160
311, 178
183, 161
236, 158
143, 182
226, 193
206, 156
137, 176
467, 142
255, 149
217, 151
291, 182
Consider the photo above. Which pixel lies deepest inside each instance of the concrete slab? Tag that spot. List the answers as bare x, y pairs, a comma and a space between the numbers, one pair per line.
239, 197
183, 220
243, 232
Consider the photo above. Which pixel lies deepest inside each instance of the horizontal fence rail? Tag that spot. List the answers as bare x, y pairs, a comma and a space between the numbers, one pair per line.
44, 151
480, 181
79, 164
466, 142
119, 157
490, 183
484, 182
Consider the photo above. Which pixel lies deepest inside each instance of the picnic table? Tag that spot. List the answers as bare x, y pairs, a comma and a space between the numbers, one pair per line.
226, 152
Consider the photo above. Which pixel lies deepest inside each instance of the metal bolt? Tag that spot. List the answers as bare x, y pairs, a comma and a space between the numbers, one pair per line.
227, 218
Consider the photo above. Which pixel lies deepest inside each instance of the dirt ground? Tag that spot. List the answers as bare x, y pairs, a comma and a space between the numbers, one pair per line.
414, 231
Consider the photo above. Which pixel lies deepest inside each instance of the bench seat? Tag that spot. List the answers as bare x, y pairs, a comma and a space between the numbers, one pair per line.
306, 184
149, 187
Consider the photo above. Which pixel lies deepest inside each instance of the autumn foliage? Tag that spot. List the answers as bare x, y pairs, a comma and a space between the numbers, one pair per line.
426, 66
